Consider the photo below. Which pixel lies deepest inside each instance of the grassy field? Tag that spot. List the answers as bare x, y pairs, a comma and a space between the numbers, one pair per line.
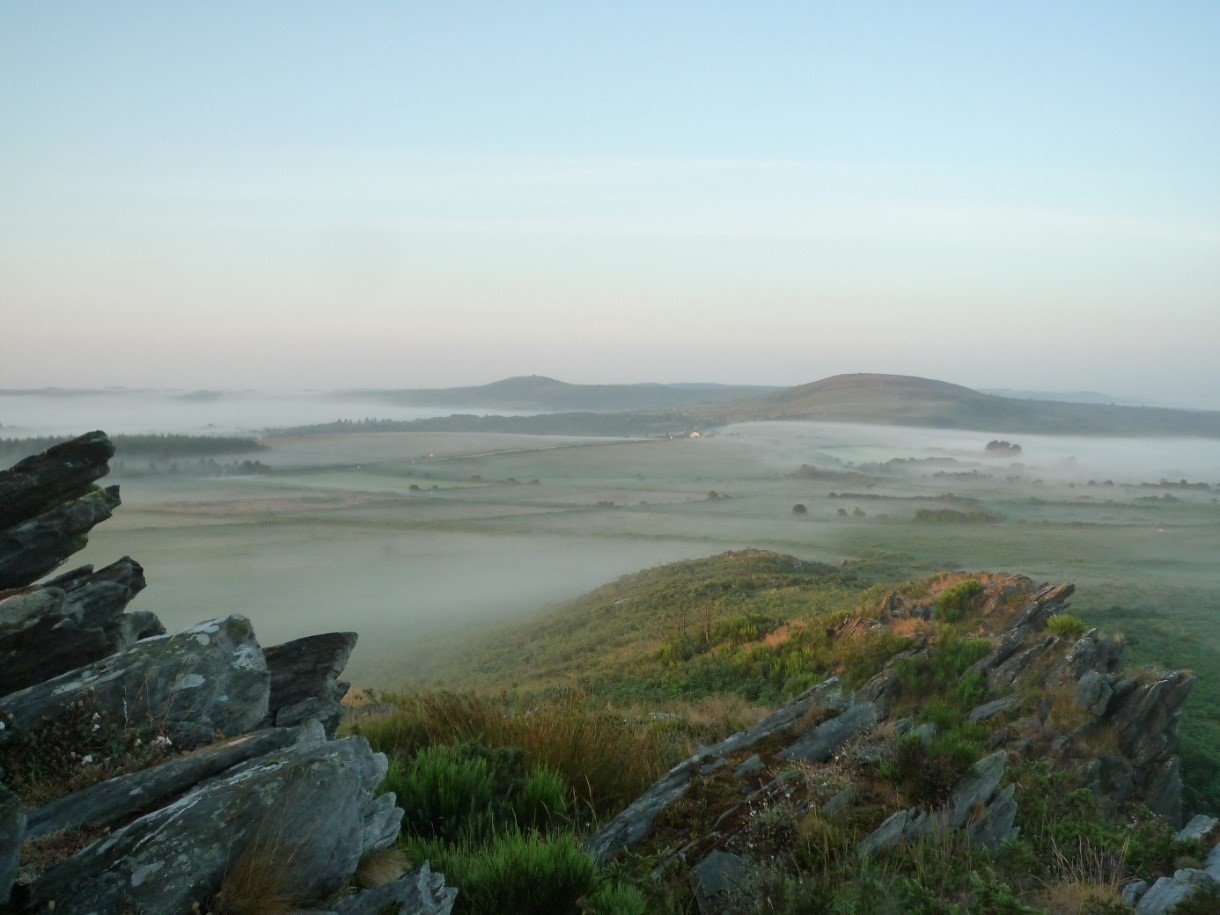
421, 541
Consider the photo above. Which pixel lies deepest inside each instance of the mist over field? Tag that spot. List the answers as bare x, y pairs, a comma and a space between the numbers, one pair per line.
413, 539
204, 412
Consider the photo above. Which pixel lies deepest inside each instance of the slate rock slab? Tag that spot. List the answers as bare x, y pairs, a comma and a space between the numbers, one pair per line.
111, 801
60, 473
421, 892
205, 682
304, 804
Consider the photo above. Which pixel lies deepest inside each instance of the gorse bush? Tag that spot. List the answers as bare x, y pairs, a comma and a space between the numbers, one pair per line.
471, 792
953, 603
1066, 626
616, 899
942, 670
519, 872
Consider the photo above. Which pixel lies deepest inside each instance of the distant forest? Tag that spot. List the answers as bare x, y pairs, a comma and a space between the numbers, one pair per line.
155, 447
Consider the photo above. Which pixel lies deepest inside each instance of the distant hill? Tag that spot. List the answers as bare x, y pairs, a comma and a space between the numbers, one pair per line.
1066, 396
537, 392
908, 401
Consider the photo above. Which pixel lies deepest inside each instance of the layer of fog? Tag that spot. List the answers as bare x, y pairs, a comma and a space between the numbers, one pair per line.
785, 446
398, 590
238, 412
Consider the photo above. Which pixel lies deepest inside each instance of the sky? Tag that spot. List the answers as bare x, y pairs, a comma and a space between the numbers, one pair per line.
315, 195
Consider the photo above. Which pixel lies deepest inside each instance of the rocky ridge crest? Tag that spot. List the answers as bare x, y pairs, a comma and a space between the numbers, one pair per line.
225, 755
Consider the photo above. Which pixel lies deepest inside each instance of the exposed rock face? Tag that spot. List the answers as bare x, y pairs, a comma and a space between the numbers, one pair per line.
71, 621
420, 892
12, 833
975, 807
714, 878
33, 548
61, 473
630, 826
206, 682
111, 801
280, 796
305, 805
305, 679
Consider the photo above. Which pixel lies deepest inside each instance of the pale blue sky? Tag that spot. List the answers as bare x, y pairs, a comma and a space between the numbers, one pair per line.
316, 194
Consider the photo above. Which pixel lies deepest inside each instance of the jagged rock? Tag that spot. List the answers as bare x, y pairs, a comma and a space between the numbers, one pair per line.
885, 686
304, 804
974, 806
421, 892
382, 820
206, 682
818, 743
12, 834
1133, 892
926, 733
714, 878
1090, 653
1005, 675
304, 679
33, 548
993, 708
59, 474
1093, 692
634, 822
997, 822
1163, 895
976, 788
897, 828
894, 605
71, 621
839, 802
111, 801
1147, 717
1198, 828
749, 766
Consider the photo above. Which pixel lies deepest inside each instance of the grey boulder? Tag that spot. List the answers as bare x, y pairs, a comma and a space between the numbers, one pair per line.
302, 808
421, 892
111, 801
305, 679
205, 682
714, 878
34, 547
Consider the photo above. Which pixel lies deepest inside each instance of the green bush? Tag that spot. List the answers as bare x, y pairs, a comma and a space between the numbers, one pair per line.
470, 792
616, 899
520, 872
1066, 626
953, 603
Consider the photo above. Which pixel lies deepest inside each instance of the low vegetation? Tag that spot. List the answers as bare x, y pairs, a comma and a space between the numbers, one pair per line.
500, 789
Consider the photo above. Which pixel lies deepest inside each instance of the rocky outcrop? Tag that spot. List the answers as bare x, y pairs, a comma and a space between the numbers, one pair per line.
113, 801
262, 789
300, 810
12, 834
35, 547
976, 807
305, 679
61, 473
69, 622
206, 682
630, 826
420, 892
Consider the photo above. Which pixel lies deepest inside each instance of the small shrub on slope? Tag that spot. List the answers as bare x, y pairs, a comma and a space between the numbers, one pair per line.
520, 872
953, 603
1066, 626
